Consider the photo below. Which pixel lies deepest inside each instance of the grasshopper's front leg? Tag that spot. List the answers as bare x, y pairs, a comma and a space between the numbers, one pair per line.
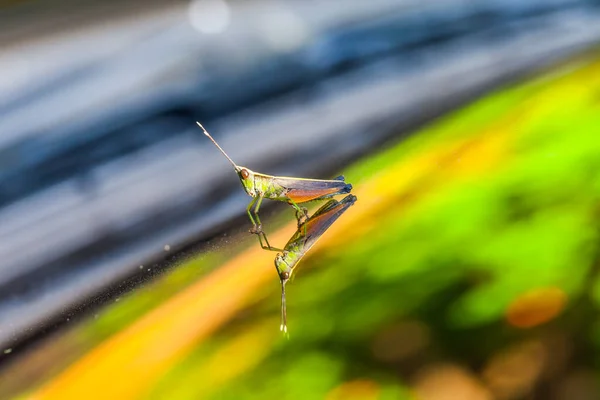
248, 210
256, 209
267, 246
260, 232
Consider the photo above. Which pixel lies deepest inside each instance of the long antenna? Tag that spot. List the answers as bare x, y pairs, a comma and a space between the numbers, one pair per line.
283, 327
216, 144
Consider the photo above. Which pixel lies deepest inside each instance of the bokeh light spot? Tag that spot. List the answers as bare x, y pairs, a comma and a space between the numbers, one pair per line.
209, 16
449, 382
362, 389
512, 373
536, 307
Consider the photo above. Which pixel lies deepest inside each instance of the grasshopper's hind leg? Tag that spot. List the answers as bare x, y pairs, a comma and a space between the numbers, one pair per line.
301, 212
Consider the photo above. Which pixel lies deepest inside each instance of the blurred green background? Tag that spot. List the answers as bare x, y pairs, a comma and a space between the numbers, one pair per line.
467, 269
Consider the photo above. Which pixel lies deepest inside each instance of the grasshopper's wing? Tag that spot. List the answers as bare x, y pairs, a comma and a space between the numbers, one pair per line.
303, 190
333, 205
321, 220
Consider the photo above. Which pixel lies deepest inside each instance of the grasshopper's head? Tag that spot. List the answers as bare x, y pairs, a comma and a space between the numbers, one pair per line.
247, 178
283, 269
285, 272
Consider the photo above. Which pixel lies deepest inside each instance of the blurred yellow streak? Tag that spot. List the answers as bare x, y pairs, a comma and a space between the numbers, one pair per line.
126, 365
409, 180
232, 359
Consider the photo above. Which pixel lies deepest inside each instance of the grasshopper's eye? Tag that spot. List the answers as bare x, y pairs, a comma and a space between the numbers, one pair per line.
245, 173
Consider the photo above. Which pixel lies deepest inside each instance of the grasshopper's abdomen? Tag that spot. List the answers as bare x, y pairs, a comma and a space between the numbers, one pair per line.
304, 195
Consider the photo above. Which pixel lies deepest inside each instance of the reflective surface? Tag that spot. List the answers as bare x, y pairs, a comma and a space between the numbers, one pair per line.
467, 269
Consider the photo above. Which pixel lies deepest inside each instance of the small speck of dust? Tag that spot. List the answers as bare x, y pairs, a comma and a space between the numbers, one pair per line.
68, 319
148, 269
117, 299
141, 267
167, 247
8, 351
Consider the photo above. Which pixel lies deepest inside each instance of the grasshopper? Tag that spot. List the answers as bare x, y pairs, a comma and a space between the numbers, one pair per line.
305, 237
293, 191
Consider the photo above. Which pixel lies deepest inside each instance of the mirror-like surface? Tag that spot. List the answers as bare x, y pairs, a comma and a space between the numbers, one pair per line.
468, 266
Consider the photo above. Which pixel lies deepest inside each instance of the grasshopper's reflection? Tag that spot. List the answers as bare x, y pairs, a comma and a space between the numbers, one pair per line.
305, 237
